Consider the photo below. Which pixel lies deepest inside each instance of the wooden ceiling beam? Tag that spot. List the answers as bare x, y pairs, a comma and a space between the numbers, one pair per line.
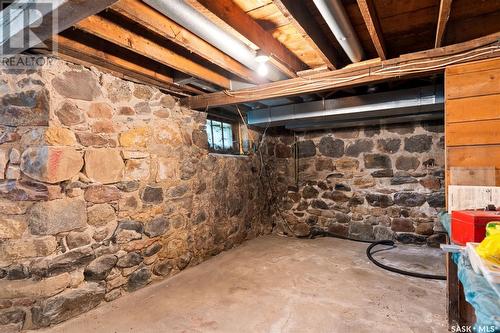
90, 55
444, 15
369, 13
299, 16
120, 36
158, 23
362, 73
234, 16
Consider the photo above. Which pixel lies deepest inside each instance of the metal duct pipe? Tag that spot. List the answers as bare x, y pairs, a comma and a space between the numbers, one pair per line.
197, 23
351, 110
335, 16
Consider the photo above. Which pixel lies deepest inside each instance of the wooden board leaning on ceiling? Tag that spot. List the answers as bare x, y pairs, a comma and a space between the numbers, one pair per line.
472, 116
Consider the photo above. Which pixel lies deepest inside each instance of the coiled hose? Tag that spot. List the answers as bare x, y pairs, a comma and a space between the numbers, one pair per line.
318, 232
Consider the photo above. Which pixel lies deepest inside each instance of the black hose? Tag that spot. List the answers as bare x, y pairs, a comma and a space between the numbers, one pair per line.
396, 270
318, 232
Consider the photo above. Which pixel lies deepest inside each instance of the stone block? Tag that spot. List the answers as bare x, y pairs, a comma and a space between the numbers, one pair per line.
347, 164
24, 190
431, 183
379, 200
409, 199
128, 186
103, 126
168, 169
127, 231
77, 85
100, 214
384, 173
102, 194
51, 164
104, 165
129, 260
53, 217
418, 143
377, 161
138, 279
137, 169
382, 233
306, 149
152, 195
59, 136
95, 140
364, 182
68, 304
14, 156
358, 147
100, 110
4, 159
309, 192
407, 163
136, 137
12, 318
402, 225
47, 287
389, 146
25, 108
410, 238
14, 207
436, 199
400, 180
360, 230
66, 262
15, 249
13, 172
425, 229
331, 147
156, 227
99, 269
69, 114
77, 239
12, 226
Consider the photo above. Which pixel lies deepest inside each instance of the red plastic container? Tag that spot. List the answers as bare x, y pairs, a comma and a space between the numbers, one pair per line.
470, 225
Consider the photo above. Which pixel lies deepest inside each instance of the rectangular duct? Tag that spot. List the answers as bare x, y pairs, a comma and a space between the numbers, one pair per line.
387, 107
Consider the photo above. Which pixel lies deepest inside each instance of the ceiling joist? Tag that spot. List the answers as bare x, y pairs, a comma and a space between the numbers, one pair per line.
444, 15
409, 65
300, 17
158, 23
68, 47
235, 17
120, 36
369, 13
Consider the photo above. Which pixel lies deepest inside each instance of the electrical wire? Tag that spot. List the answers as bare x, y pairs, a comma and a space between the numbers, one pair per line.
290, 88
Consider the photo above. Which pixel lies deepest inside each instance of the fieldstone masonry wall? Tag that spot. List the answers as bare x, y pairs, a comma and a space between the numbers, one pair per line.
105, 186
368, 183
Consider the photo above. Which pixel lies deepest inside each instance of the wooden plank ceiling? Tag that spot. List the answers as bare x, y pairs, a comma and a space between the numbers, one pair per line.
135, 41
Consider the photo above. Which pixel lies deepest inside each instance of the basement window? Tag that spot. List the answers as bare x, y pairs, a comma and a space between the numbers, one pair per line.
224, 137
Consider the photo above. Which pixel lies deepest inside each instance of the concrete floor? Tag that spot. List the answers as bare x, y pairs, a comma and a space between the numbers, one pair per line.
274, 284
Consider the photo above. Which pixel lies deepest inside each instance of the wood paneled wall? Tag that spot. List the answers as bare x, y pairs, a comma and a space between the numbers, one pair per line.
472, 115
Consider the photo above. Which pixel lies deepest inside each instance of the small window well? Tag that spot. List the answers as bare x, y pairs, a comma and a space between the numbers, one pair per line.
226, 137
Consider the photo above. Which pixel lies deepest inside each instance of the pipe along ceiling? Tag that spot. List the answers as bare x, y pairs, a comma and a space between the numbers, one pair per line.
380, 108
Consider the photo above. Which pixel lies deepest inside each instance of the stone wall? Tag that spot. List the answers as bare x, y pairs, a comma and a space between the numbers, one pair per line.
367, 183
106, 186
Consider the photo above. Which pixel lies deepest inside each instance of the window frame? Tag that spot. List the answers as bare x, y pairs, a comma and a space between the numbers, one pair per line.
236, 147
